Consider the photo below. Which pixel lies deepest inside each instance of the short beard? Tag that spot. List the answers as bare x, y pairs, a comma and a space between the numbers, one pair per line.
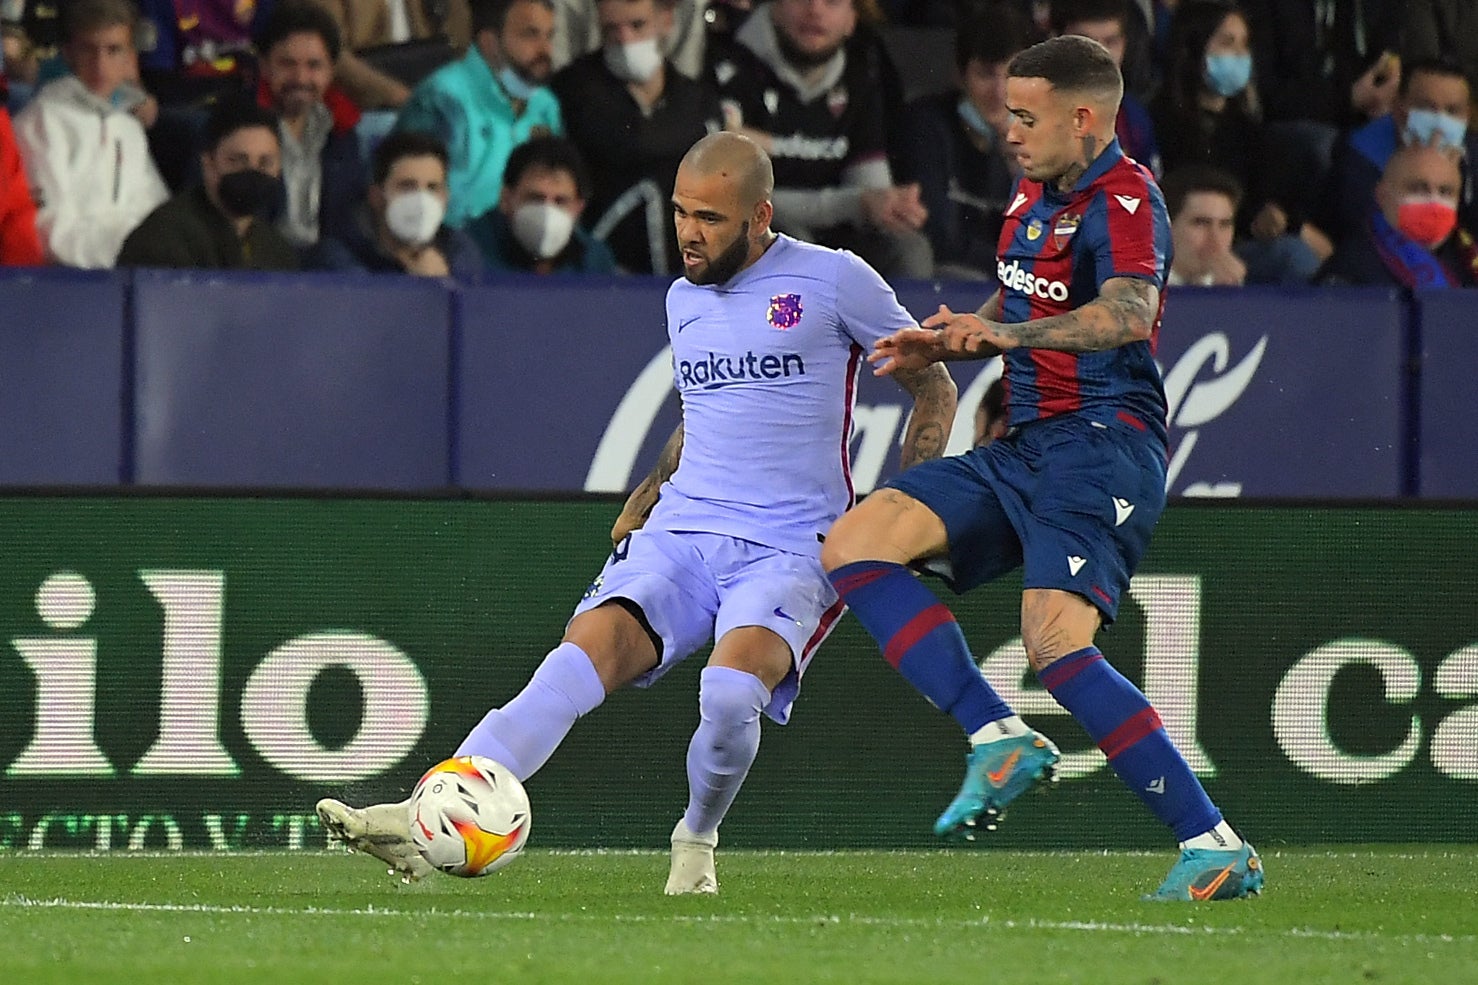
804, 60
536, 72
726, 264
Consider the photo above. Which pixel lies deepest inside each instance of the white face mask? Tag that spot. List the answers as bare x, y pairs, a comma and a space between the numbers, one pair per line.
542, 228
635, 61
414, 217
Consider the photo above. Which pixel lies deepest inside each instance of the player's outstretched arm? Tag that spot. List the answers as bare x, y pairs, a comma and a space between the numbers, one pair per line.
1123, 312
644, 497
934, 397
914, 348
991, 310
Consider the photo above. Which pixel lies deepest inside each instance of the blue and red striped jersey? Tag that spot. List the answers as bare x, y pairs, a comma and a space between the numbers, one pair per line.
1056, 251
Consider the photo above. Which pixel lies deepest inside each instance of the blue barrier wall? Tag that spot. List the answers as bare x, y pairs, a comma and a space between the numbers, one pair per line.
291, 382
62, 381
357, 383
1448, 427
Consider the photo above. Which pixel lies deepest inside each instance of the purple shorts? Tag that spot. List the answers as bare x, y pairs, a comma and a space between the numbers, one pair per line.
694, 587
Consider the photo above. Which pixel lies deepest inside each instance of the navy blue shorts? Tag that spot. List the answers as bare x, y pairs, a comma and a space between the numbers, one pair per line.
1071, 500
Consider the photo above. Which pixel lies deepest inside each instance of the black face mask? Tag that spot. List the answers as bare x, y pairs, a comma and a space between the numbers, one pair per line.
250, 193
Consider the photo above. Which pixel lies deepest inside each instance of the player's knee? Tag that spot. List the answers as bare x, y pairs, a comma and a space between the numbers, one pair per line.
1055, 624
730, 697
616, 643
855, 535
841, 545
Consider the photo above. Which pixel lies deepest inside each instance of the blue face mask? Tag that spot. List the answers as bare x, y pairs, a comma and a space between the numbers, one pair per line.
1228, 75
514, 84
971, 117
1422, 124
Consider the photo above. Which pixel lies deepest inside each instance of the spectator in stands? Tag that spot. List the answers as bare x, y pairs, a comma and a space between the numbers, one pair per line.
399, 227
577, 31
957, 146
1203, 201
536, 226
1107, 22
223, 222
490, 101
321, 163
1412, 237
1208, 113
87, 158
30, 34
1432, 107
633, 116
1322, 66
1330, 61
990, 414
200, 50
1442, 29
19, 244
411, 33
793, 87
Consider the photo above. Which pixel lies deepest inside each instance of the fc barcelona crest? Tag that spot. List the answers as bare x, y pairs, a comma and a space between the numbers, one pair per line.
785, 311
1063, 229
1034, 230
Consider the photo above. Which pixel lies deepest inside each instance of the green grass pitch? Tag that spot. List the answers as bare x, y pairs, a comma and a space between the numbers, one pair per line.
1358, 914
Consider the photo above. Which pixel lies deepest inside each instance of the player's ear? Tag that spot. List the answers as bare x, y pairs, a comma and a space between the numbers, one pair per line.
1083, 120
759, 221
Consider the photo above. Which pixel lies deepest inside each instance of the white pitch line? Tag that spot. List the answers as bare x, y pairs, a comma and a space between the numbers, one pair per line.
335, 850
982, 923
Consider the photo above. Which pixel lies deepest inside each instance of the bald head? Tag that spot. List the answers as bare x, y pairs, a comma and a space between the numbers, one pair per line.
1424, 184
1429, 165
737, 161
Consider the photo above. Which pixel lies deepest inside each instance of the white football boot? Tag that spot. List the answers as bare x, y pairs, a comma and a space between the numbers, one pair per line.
692, 862
381, 830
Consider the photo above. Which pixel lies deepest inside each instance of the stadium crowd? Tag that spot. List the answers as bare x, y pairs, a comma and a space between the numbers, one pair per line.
1297, 141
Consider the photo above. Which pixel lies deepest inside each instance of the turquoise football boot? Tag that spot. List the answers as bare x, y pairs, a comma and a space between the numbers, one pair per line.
1204, 874
996, 773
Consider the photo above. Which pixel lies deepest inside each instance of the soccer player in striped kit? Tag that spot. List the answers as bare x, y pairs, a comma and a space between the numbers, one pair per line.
1073, 490
722, 540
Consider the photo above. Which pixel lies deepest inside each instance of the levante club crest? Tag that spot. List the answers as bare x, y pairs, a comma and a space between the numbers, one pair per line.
785, 311
1063, 229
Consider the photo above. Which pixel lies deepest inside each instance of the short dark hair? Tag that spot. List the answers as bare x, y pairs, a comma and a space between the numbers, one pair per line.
491, 15
991, 35
551, 153
399, 145
1070, 63
1191, 179
289, 17
232, 115
1431, 66
85, 16
1065, 12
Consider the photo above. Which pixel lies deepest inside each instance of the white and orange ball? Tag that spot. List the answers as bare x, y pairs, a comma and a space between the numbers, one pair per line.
469, 816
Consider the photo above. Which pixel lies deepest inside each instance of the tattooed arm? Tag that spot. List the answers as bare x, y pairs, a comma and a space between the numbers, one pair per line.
639, 504
1123, 312
934, 395
991, 310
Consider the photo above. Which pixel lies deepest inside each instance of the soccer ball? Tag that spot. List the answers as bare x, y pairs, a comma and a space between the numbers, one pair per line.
469, 816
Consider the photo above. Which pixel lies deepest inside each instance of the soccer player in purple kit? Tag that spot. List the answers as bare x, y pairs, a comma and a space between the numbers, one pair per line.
721, 541
1073, 490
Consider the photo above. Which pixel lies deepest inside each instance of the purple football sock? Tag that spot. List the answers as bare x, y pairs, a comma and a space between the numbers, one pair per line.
724, 746
524, 733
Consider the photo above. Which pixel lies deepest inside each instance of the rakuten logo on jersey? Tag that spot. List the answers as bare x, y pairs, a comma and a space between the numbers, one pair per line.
1014, 278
